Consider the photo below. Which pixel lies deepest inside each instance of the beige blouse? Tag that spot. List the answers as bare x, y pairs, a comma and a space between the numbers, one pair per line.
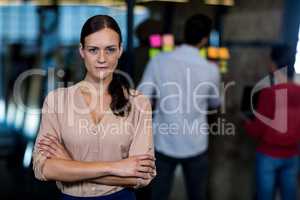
66, 115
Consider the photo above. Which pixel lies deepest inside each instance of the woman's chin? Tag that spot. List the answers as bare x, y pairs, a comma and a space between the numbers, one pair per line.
102, 76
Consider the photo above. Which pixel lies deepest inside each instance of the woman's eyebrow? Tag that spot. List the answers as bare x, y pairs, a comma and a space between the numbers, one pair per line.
110, 46
90, 46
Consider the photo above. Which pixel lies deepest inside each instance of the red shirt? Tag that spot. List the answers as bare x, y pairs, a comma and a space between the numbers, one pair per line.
277, 130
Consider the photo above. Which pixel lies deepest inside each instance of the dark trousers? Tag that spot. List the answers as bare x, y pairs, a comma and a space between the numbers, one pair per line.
195, 170
124, 194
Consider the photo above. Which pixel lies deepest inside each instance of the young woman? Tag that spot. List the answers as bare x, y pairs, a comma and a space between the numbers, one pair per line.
95, 137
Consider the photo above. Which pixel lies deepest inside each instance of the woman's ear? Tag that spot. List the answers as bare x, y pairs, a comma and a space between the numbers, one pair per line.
121, 51
81, 51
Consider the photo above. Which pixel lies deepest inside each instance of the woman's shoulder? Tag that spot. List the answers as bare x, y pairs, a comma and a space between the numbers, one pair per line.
59, 95
61, 91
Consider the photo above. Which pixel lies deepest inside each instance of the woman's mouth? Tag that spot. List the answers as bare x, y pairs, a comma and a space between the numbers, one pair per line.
102, 67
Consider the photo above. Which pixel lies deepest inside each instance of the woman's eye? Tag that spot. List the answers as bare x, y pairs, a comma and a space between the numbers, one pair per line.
110, 50
93, 51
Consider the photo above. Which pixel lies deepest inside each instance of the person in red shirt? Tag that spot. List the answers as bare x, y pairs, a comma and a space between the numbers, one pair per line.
276, 128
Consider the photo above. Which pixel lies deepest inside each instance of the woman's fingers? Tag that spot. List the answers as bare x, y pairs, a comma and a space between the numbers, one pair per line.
154, 173
143, 175
146, 169
147, 163
55, 141
47, 141
47, 151
51, 136
46, 147
51, 139
146, 157
45, 144
46, 154
52, 146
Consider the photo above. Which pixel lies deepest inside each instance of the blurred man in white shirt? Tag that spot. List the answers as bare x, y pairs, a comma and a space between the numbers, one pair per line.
183, 85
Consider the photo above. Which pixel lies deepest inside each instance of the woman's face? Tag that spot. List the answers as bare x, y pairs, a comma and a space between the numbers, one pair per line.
101, 53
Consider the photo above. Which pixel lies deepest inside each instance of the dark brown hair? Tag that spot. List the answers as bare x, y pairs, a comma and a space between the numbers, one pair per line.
283, 55
196, 28
119, 87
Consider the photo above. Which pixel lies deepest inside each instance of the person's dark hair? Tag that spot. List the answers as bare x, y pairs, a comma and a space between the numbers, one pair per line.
284, 56
97, 23
196, 28
119, 87
147, 28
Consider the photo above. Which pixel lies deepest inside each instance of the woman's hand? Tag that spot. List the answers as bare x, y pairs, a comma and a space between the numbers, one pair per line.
141, 166
52, 148
144, 182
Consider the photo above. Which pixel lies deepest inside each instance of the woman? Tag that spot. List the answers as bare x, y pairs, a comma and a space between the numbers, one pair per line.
277, 130
95, 137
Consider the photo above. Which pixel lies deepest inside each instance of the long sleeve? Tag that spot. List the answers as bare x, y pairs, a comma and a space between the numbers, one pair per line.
266, 104
49, 124
142, 142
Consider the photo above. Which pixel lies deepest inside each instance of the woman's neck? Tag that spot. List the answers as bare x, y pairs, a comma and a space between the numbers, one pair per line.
99, 87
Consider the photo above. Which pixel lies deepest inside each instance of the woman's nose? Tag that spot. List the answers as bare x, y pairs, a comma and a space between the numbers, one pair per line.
101, 57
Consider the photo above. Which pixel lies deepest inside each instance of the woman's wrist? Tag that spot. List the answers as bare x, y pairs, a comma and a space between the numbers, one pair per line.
106, 169
112, 168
